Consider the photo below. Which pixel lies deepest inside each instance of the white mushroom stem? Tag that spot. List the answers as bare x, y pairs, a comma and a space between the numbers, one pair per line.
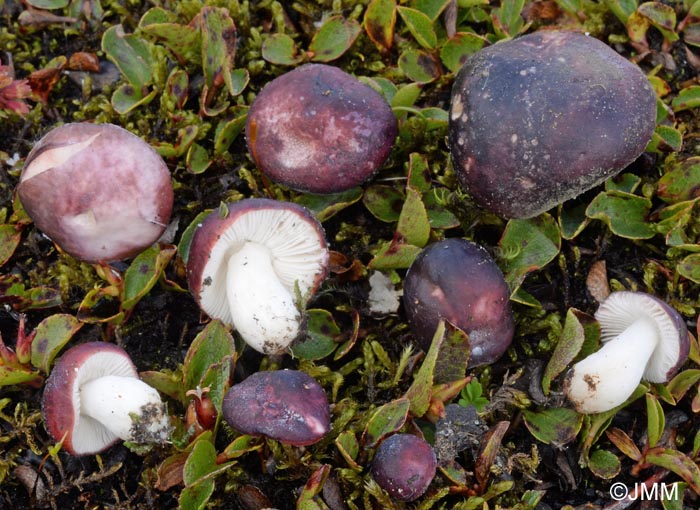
608, 377
128, 407
263, 309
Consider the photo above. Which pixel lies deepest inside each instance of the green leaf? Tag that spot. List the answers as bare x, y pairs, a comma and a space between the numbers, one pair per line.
239, 79
625, 214
379, 22
200, 462
419, 66
280, 49
131, 54
604, 464
413, 223
420, 26
10, 236
689, 267
453, 356
126, 98
334, 38
686, 99
227, 131
184, 41
48, 4
622, 9
387, 419
208, 348
661, 16
677, 462
197, 496
578, 327
407, 95
326, 206
183, 249
383, 202
197, 159
682, 382
681, 182
656, 420
394, 255
52, 334
572, 220
528, 245
349, 448
321, 335
17, 375
418, 173
665, 139
420, 391
242, 445
431, 8
555, 426
507, 19
143, 273
456, 50
218, 49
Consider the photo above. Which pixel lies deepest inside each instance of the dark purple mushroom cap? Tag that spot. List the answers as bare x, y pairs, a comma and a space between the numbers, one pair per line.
458, 281
643, 339
319, 129
540, 119
286, 405
246, 267
404, 465
98, 191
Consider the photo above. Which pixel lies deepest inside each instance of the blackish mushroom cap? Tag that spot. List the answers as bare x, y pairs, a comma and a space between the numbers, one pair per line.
98, 191
286, 405
458, 281
319, 129
60, 405
404, 465
540, 119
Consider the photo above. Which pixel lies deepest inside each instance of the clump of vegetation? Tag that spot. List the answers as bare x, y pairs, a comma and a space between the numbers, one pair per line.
183, 76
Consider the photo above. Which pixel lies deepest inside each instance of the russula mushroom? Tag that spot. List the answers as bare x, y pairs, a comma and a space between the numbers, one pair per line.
98, 191
94, 397
540, 119
286, 405
319, 129
458, 281
256, 267
404, 465
643, 339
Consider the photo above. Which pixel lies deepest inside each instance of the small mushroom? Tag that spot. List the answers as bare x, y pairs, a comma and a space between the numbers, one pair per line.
256, 267
94, 397
540, 119
98, 191
404, 465
319, 129
286, 405
458, 281
643, 339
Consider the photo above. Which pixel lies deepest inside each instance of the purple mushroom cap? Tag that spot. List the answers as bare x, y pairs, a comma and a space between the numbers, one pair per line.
286, 405
404, 465
319, 129
98, 191
540, 119
457, 280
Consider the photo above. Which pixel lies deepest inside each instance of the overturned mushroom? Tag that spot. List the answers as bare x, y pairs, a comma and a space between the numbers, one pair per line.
94, 397
256, 267
98, 191
643, 339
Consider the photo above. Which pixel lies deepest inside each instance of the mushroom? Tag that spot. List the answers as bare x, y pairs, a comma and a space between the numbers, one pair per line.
256, 267
94, 397
458, 281
319, 129
98, 191
404, 465
540, 119
286, 405
643, 339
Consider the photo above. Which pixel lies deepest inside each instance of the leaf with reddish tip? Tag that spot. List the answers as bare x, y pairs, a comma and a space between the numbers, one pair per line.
218, 52
379, 22
51, 335
144, 272
334, 38
677, 462
624, 443
682, 382
490, 443
386, 419
314, 486
17, 375
349, 448
10, 236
